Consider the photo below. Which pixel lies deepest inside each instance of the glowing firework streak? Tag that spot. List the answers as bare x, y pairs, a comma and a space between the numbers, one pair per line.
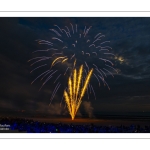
55, 32
40, 60
93, 92
54, 92
39, 76
72, 28
97, 79
54, 38
38, 67
57, 54
64, 60
74, 82
57, 78
66, 70
109, 72
46, 74
58, 28
74, 95
56, 60
79, 80
45, 50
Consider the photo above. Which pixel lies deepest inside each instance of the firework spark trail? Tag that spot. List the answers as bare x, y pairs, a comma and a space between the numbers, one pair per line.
112, 68
39, 76
54, 38
99, 72
58, 28
103, 72
38, 67
46, 74
75, 93
46, 42
74, 82
68, 103
79, 80
55, 32
56, 63
50, 76
84, 87
40, 60
86, 66
64, 60
72, 56
57, 54
74, 63
70, 88
104, 81
105, 42
45, 50
86, 83
72, 28
45, 82
66, 70
64, 47
65, 32
106, 60
97, 79
87, 86
61, 100
57, 59
109, 72
87, 31
88, 54
87, 90
57, 78
95, 66
94, 53
54, 92
68, 30
84, 30
76, 27
104, 50
92, 45
97, 35
107, 47
93, 92
98, 38
101, 36
36, 58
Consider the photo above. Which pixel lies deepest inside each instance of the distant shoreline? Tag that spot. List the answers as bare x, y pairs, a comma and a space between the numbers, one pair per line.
99, 122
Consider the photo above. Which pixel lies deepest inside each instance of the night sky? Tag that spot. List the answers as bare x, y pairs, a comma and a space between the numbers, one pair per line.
129, 89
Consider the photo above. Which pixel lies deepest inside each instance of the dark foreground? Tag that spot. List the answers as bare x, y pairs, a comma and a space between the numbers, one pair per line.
15, 125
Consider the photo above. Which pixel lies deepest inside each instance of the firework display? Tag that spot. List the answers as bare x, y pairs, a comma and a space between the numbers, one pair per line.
71, 47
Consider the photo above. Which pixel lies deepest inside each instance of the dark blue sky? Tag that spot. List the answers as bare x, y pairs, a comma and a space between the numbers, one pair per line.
129, 89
